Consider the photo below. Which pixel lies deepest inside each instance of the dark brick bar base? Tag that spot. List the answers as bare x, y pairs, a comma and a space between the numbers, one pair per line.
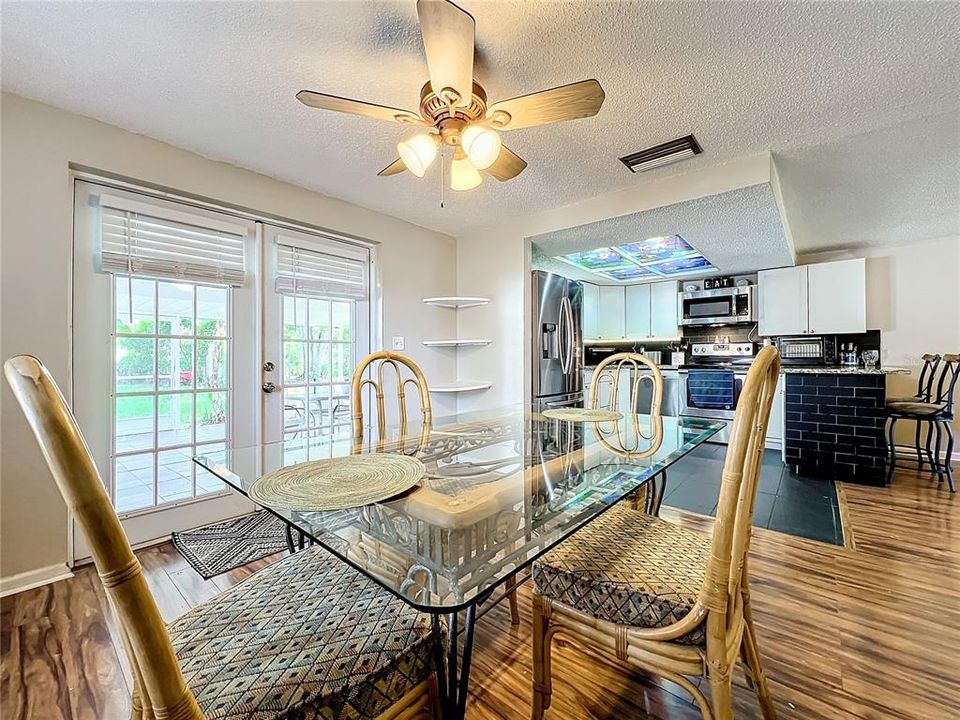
834, 426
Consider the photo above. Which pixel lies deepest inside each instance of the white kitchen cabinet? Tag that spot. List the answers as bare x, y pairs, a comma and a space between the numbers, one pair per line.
590, 319
823, 299
664, 313
837, 292
637, 320
783, 301
610, 322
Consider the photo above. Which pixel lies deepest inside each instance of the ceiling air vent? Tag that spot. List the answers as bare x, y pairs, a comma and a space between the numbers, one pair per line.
664, 154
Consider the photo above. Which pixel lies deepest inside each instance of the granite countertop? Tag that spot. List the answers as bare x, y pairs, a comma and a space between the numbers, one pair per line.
843, 371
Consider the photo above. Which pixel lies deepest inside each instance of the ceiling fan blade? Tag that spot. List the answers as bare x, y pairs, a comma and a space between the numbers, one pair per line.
507, 165
448, 33
394, 168
567, 102
357, 107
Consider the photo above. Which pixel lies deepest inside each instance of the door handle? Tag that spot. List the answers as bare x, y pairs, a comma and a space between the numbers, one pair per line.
269, 387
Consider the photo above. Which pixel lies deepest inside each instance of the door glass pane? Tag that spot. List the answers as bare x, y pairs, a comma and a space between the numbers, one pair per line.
134, 482
211, 363
137, 318
175, 313
175, 419
294, 362
134, 422
211, 311
175, 474
175, 363
320, 362
211, 416
342, 312
135, 360
319, 319
294, 318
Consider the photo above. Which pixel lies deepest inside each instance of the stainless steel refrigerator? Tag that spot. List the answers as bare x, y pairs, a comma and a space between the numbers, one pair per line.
557, 346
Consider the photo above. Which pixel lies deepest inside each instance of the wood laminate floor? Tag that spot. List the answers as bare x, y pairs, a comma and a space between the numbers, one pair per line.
868, 631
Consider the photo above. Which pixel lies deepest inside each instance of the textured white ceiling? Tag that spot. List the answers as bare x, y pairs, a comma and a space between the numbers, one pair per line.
889, 186
738, 231
220, 78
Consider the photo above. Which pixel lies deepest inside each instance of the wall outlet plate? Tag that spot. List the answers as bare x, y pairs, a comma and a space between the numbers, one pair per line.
398, 342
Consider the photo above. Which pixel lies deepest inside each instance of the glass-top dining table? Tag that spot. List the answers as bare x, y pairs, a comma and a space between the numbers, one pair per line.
502, 487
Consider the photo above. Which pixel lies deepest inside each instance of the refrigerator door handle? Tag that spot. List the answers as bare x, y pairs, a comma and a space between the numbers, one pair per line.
570, 335
565, 336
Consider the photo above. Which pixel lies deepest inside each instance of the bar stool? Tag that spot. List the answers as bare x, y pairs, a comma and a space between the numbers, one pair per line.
924, 390
935, 410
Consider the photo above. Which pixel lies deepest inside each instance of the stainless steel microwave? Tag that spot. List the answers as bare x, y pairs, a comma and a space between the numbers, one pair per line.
722, 306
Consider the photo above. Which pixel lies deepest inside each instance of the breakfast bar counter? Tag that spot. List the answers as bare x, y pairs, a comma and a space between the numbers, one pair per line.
822, 370
834, 425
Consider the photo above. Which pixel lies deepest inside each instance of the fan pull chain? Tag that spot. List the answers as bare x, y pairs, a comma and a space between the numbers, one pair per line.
442, 163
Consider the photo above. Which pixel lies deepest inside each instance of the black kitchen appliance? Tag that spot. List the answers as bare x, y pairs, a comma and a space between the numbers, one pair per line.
807, 350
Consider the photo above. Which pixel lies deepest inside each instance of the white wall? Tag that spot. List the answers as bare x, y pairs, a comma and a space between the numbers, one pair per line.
496, 262
38, 144
912, 299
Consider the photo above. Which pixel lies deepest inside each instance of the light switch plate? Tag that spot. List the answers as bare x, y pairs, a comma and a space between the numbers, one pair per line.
398, 342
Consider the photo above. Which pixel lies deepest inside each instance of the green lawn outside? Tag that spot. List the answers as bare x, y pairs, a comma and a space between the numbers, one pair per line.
141, 406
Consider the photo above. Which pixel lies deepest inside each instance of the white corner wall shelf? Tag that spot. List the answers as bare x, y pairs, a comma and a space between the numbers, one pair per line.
456, 301
456, 342
461, 386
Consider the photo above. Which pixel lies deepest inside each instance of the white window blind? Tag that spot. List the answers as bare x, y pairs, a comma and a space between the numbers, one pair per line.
137, 239
301, 271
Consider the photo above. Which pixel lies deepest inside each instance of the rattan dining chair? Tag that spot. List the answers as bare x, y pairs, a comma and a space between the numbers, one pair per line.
403, 372
304, 637
665, 599
616, 385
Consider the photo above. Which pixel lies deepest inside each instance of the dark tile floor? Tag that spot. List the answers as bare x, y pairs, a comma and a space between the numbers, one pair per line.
806, 507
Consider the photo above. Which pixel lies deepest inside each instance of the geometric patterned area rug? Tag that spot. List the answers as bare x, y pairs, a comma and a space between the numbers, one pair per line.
227, 545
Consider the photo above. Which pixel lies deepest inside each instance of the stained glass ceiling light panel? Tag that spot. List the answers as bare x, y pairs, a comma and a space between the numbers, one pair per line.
657, 249
597, 260
634, 272
684, 265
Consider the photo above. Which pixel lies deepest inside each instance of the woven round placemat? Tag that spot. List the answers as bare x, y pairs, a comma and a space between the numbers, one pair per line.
338, 483
582, 414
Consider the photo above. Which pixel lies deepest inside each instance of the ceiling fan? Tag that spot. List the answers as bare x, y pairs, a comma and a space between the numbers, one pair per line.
455, 106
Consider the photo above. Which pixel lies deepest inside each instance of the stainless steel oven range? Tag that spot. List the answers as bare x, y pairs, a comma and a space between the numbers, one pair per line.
712, 379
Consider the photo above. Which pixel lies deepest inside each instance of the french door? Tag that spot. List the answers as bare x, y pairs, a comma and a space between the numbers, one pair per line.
317, 325
179, 313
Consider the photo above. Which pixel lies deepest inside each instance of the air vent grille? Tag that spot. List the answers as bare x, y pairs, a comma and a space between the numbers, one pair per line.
663, 154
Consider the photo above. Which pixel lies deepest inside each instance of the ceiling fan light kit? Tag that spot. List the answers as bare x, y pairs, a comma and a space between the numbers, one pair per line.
455, 106
419, 152
482, 145
463, 174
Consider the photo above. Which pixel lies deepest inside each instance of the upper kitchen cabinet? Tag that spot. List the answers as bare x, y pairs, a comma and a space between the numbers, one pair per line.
823, 299
783, 301
637, 320
664, 311
591, 311
610, 323
634, 312
837, 296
